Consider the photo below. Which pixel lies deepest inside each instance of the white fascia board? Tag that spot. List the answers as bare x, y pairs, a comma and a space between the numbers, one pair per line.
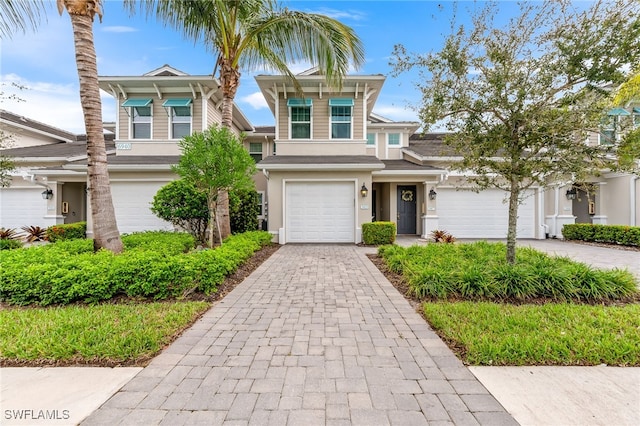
125, 167
409, 172
305, 167
37, 131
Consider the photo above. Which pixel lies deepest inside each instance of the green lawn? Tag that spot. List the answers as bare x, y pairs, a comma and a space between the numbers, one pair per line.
551, 334
108, 334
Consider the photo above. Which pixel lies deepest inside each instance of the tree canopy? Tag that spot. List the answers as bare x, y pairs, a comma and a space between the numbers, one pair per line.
215, 161
520, 101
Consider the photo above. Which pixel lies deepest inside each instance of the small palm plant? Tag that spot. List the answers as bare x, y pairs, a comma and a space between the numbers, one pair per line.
9, 234
35, 233
441, 236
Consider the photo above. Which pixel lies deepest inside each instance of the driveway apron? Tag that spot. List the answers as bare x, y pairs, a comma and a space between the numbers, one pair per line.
315, 335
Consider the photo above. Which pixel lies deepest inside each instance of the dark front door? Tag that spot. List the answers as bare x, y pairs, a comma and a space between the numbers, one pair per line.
407, 209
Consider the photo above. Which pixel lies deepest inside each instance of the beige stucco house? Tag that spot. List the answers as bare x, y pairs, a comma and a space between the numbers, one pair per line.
328, 165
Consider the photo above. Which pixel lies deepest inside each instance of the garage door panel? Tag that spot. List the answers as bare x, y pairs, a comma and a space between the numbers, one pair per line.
22, 207
320, 212
467, 214
132, 204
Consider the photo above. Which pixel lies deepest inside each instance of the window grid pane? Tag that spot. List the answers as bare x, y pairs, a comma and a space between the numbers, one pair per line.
300, 122
340, 122
394, 138
371, 138
141, 122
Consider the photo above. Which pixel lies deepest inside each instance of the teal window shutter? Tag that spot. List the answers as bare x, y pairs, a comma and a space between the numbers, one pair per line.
137, 102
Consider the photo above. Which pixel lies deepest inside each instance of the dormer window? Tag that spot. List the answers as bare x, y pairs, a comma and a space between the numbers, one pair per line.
300, 118
341, 118
140, 116
179, 110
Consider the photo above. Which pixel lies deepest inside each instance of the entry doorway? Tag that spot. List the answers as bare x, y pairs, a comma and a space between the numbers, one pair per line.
407, 201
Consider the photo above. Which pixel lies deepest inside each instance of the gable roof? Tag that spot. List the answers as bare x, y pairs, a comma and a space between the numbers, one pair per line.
429, 145
29, 124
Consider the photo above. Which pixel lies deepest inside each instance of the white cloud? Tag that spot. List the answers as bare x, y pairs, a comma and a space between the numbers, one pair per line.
395, 113
55, 104
256, 100
354, 15
118, 29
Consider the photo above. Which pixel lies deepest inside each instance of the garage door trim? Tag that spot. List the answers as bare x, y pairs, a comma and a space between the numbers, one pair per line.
353, 181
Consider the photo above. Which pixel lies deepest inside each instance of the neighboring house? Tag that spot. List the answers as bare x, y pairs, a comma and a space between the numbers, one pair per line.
328, 165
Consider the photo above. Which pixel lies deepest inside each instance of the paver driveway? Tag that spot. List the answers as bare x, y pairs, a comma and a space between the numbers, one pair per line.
316, 335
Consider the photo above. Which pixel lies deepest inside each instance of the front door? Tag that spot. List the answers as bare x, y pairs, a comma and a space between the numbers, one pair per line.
407, 209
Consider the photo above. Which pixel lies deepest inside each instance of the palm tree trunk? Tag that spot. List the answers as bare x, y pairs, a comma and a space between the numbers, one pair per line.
229, 80
513, 221
105, 229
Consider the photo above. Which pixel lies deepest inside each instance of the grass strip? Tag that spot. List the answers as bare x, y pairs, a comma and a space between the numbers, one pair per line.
486, 333
108, 334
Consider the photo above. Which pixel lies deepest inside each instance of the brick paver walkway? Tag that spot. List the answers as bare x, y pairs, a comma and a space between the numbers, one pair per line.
315, 336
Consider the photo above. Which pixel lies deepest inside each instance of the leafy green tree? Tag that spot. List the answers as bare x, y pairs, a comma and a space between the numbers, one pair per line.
520, 100
254, 34
215, 161
182, 204
628, 153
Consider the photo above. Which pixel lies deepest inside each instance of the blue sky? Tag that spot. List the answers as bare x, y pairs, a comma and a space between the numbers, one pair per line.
43, 61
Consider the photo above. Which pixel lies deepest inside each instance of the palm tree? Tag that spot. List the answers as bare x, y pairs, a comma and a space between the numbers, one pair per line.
253, 34
17, 15
105, 228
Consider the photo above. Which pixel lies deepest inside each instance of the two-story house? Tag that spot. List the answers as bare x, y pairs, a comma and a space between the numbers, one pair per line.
328, 165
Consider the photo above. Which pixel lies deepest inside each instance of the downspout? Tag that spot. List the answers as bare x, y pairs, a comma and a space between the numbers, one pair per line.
556, 209
633, 220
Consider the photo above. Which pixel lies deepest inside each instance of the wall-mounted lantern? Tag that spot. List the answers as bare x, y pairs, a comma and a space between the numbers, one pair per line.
571, 194
432, 194
47, 194
364, 191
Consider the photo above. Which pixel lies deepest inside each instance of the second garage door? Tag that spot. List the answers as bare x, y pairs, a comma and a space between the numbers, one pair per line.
132, 203
466, 214
320, 212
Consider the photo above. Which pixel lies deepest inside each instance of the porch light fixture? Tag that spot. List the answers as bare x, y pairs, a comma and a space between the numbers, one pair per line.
432, 194
364, 191
47, 194
571, 194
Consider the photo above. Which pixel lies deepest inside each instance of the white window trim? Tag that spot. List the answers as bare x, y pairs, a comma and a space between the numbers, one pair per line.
171, 123
131, 117
387, 145
350, 126
262, 205
310, 123
261, 149
375, 141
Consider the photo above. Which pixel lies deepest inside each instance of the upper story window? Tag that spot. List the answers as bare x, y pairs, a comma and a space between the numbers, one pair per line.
300, 118
140, 115
255, 151
179, 110
341, 118
371, 139
393, 139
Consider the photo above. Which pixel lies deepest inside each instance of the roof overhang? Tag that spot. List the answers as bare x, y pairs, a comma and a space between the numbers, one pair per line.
357, 86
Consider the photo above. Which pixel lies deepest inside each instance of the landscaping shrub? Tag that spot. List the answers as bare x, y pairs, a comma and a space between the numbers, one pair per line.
10, 244
182, 204
441, 236
9, 234
610, 234
153, 265
479, 271
378, 233
244, 208
34, 233
68, 231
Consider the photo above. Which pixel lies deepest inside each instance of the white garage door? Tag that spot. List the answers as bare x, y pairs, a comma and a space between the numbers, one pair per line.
22, 207
132, 203
465, 214
320, 212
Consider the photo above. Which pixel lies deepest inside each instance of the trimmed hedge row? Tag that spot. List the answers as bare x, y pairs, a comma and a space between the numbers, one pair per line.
611, 234
70, 231
150, 267
378, 233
